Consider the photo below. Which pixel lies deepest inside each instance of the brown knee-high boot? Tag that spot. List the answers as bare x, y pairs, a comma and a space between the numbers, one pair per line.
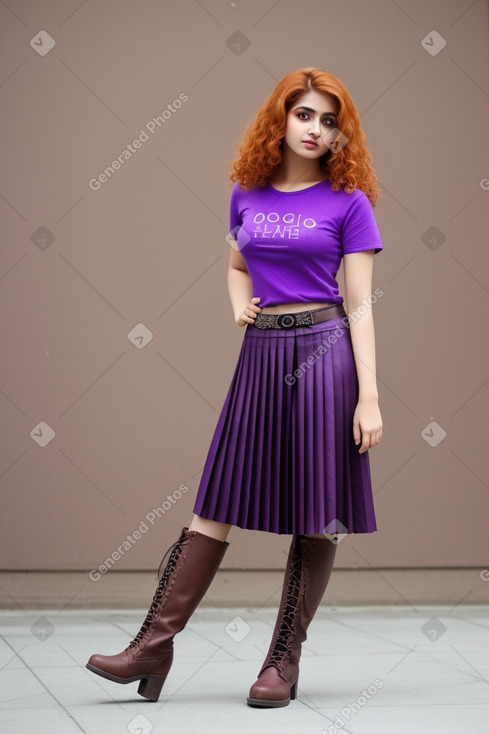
309, 567
192, 564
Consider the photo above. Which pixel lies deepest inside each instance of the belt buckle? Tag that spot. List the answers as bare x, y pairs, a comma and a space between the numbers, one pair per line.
286, 320
289, 320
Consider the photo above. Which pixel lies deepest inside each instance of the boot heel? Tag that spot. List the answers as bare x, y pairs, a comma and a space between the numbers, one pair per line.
293, 691
151, 686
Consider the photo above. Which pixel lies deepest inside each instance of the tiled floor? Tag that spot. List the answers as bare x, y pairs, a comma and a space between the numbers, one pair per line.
365, 670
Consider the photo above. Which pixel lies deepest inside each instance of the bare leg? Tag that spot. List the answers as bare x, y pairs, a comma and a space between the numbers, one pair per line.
216, 530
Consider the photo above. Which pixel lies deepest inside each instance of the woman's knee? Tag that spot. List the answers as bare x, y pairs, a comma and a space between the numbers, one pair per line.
217, 530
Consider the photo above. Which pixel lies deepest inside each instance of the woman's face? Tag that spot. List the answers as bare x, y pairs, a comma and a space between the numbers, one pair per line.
309, 124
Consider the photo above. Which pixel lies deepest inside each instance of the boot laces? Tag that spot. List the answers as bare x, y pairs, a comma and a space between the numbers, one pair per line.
286, 632
175, 551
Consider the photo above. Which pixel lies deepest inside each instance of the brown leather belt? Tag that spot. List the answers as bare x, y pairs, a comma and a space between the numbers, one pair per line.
301, 318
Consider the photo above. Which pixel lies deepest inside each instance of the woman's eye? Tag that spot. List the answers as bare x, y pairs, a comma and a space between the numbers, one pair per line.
329, 122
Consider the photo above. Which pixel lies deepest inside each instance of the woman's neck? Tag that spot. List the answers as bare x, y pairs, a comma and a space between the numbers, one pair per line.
294, 171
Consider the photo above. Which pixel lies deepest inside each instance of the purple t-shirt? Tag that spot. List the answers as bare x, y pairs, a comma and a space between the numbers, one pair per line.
293, 241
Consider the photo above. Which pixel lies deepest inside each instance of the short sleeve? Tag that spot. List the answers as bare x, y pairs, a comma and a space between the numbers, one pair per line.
235, 220
359, 230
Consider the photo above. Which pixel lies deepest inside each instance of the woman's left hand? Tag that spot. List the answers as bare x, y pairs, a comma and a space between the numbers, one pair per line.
367, 424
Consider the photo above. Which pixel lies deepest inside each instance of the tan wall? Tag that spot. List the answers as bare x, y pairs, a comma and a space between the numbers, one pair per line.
148, 247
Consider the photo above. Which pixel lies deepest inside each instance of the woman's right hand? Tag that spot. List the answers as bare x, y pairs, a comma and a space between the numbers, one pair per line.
248, 315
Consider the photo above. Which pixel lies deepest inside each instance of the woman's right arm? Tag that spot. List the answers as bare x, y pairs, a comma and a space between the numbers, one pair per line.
239, 286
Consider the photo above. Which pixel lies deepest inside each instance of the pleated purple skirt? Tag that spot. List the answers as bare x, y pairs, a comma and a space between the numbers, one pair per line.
283, 458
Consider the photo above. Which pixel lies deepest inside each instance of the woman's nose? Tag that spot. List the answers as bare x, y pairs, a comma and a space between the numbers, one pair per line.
313, 126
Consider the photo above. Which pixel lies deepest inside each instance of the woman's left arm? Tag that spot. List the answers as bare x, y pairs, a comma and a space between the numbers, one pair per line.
367, 421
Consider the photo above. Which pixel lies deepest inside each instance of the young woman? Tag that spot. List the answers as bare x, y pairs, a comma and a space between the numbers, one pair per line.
289, 454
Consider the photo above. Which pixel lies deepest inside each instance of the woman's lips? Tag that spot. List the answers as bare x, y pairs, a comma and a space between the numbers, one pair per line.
310, 143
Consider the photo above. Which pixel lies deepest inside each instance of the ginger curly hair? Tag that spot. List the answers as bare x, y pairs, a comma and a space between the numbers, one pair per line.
259, 153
